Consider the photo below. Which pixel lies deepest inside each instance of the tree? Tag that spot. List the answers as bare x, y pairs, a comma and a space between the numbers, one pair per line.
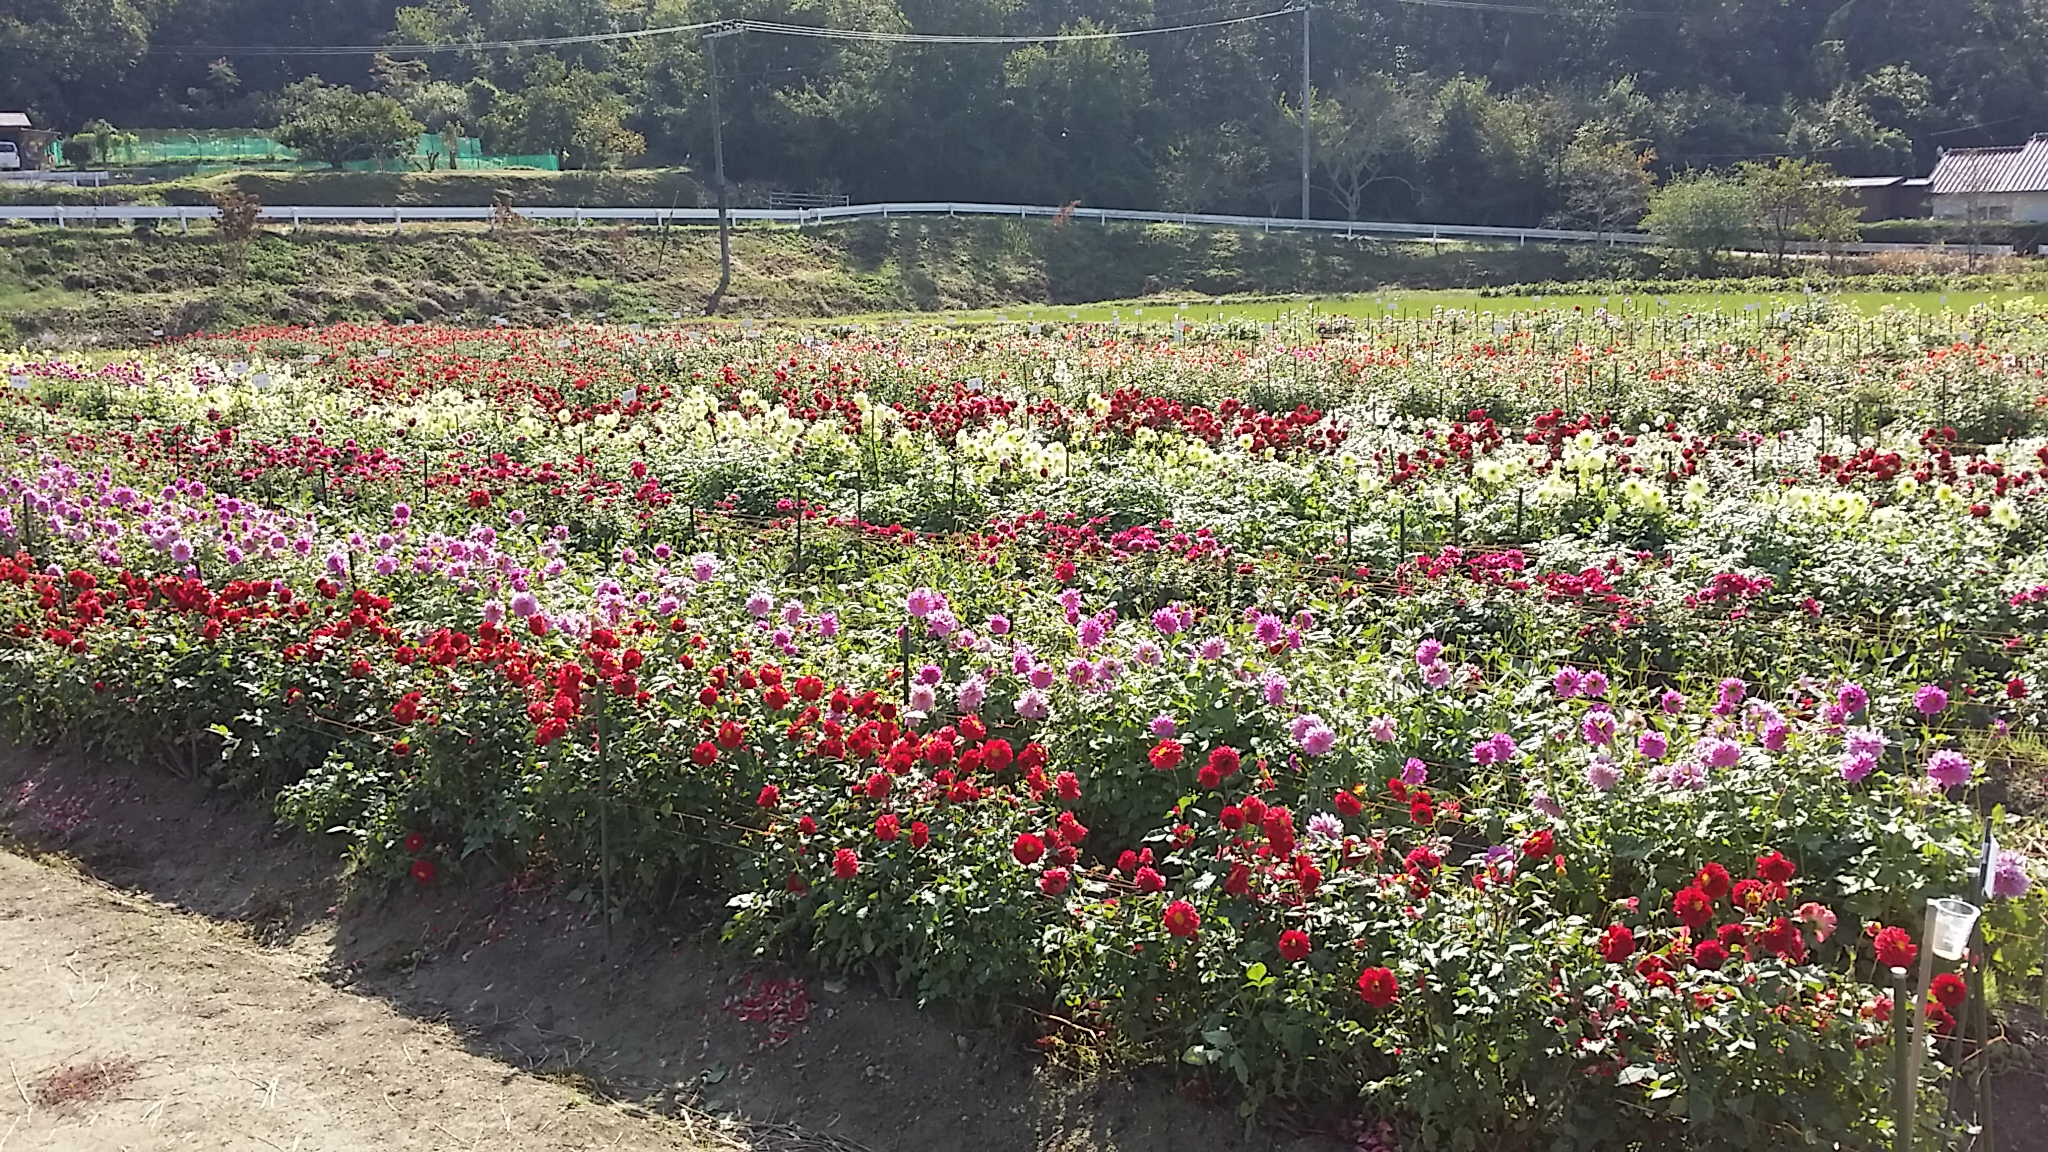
1084, 108
1361, 134
336, 123
1795, 200
98, 143
1606, 182
565, 111
1702, 213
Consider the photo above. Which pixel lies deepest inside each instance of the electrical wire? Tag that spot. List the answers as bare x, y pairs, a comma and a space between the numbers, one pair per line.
805, 30
413, 49
723, 27
1534, 10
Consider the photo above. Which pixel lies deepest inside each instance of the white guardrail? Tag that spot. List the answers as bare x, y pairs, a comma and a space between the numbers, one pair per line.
296, 215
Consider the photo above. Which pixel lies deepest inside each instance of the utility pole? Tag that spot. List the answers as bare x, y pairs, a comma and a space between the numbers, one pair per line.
711, 40
1304, 108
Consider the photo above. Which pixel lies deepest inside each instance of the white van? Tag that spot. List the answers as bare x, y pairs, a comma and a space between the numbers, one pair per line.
10, 156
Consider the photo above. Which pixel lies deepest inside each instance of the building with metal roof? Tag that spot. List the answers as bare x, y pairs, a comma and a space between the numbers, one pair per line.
2003, 184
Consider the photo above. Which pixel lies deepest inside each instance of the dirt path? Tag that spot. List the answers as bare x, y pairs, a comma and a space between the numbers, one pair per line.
178, 1033
161, 923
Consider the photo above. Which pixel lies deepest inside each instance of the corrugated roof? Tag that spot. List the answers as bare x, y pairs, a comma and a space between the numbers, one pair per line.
1866, 181
2021, 168
13, 120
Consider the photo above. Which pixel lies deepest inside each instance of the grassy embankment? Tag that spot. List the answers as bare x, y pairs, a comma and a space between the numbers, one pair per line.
113, 285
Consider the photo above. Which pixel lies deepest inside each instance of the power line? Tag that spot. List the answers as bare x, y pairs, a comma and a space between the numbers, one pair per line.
805, 30
1534, 10
766, 28
409, 49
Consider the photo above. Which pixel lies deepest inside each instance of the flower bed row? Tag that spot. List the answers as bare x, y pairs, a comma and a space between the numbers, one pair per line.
1601, 823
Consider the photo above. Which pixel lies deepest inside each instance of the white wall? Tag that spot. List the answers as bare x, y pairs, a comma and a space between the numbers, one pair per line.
2019, 207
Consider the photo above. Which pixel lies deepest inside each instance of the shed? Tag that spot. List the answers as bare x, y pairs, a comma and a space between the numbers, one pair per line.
33, 145
1884, 197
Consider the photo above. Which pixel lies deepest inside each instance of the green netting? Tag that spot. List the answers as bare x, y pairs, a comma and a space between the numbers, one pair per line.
206, 150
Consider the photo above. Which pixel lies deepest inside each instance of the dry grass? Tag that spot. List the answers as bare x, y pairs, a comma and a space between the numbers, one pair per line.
1988, 262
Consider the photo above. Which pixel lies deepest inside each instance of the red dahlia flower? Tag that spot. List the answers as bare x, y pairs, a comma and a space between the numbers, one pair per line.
1774, 868
1027, 848
1713, 880
1895, 948
1782, 939
1377, 987
1750, 895
1181, 919
1949, 990
1224, 760
1693, 908
1166, 754
1295, 945
845, 864
1617, 944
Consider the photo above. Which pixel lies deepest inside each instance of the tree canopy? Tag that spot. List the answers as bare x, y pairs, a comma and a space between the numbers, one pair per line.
1418, 111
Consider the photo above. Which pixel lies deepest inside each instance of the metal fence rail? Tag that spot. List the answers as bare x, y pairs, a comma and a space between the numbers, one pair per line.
297, 215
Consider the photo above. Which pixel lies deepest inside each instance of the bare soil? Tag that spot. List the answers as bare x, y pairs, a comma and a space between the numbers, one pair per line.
175, 972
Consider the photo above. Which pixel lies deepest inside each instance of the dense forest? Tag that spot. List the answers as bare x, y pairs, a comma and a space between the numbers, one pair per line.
1433, 109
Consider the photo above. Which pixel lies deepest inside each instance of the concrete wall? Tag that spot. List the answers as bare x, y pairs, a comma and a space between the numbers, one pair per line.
1999, 207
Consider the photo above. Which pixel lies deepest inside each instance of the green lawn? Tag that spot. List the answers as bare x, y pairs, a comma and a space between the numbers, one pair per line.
1412, 303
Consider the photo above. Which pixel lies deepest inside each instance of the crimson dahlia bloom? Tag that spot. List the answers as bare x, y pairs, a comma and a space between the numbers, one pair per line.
1378, 987
1181, 919
1949, 990
1782, 939
1027, 848
1713, 880
1617, 944
1774, 868
1693, 908
845, 864
1295, 945
1895, 948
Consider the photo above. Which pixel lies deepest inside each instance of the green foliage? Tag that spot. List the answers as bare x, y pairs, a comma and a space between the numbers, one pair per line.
1489, 105
566, 110
1794, 201
1703, 214
336, 123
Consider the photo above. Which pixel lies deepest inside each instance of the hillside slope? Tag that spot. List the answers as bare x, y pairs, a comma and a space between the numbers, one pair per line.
115, 286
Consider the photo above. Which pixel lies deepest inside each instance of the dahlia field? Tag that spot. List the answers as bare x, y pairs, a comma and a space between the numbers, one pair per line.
1534, 730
